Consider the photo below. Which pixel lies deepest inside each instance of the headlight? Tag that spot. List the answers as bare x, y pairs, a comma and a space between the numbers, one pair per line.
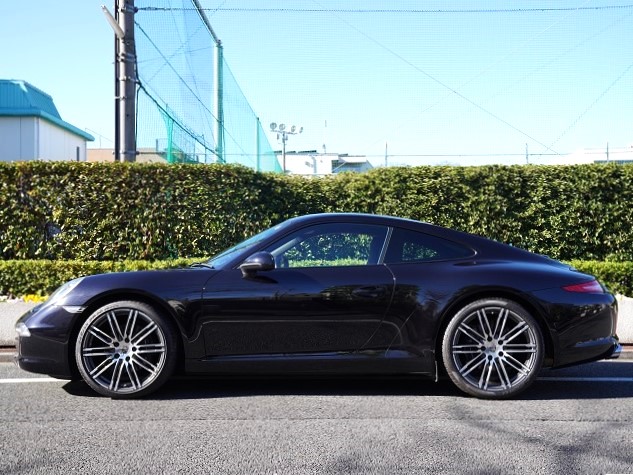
58, 296
22, 330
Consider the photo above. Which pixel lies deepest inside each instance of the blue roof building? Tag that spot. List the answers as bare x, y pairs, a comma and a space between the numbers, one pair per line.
31, 128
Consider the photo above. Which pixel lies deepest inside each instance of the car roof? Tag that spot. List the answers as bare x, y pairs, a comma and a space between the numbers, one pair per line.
380, 219
355, 217
481, 244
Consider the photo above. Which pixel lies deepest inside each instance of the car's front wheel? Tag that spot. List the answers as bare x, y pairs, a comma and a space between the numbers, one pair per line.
493, 348
126, 349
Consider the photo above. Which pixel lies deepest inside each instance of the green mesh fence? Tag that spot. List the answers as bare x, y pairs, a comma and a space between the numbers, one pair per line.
177, 102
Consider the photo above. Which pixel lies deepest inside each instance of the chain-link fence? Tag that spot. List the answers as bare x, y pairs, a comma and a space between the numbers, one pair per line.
190, 108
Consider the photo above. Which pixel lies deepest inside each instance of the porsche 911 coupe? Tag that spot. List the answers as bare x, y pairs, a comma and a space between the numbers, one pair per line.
328, 294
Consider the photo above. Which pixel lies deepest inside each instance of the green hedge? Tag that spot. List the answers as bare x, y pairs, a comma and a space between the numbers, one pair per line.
112, 211
119, 211
41, 277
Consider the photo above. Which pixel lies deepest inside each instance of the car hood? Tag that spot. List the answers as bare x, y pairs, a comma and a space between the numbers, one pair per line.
165, 283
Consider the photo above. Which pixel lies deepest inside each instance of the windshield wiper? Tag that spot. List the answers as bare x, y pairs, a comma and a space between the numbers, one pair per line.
201, 264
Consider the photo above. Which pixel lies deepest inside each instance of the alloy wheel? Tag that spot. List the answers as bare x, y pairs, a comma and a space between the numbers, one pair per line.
493, 349
123, 350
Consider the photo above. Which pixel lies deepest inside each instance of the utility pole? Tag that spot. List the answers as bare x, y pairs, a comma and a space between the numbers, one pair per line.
117, 94
124, 79
127, 81
386, 156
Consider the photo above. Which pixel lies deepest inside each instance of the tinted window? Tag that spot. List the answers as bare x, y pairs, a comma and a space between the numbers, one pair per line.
327, 245
407, 246
221, 259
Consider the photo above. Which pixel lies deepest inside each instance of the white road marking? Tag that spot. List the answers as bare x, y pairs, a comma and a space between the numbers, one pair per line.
29, 380
580, 379
588, 379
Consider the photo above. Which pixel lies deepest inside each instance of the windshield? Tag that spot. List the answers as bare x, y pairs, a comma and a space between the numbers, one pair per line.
228, 255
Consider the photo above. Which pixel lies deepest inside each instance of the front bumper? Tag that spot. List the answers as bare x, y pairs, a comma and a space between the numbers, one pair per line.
42, 342
41, 355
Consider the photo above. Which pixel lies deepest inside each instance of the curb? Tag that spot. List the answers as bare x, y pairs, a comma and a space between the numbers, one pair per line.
6, 355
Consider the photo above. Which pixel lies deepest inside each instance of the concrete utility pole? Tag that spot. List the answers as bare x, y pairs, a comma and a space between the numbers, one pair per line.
127, 81
124, 79
118, 33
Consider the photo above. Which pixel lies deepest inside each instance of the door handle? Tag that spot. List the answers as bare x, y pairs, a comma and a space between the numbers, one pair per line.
369, 292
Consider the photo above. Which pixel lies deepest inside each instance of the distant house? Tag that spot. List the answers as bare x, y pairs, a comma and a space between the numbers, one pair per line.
32, 129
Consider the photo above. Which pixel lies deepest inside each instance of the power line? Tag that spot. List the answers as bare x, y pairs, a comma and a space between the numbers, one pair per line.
392, 10
450, 89
591, 106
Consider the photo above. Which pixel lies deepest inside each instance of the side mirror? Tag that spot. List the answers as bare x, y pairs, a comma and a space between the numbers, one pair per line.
260, 261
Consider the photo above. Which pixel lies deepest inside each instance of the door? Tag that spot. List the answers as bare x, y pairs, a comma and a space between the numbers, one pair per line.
326, 294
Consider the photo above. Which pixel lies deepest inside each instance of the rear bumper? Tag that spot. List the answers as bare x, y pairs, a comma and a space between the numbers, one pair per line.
604, 349
582, 326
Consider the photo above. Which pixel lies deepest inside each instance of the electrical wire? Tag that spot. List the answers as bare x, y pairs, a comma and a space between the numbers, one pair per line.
391, 10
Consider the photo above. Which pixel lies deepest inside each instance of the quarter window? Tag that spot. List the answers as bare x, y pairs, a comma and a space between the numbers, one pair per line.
408, 246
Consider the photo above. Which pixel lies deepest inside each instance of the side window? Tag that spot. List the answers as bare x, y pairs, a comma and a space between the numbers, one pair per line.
407, 246
328, 245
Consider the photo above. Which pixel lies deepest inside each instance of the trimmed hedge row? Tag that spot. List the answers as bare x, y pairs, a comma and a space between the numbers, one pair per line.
117, 211
86, 211
41, 277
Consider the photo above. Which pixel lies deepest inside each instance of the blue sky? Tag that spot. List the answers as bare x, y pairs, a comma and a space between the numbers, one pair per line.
465, 87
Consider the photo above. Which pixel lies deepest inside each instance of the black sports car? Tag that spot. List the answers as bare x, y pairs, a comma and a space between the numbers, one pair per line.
328, 293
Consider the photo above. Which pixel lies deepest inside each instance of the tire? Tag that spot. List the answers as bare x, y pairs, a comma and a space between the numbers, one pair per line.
493, 349
125, 350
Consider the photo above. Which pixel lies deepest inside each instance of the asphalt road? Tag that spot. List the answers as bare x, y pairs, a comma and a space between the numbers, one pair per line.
577, 420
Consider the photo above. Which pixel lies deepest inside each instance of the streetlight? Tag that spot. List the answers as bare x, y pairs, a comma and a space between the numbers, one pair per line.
283, 134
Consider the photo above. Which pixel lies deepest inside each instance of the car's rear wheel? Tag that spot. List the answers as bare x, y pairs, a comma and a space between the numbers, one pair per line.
493, 348
126, 349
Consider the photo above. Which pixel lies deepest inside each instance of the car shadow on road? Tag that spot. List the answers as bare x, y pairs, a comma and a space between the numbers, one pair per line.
232, 387
601, 380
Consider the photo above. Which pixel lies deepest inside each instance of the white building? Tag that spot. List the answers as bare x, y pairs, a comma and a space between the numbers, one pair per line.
32, 129
311, 163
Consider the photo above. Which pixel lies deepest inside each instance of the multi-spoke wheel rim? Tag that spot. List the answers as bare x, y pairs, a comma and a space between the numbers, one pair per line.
123, 350
494, 349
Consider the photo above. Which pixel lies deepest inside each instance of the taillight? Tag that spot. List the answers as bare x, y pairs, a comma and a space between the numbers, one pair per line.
592, 287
